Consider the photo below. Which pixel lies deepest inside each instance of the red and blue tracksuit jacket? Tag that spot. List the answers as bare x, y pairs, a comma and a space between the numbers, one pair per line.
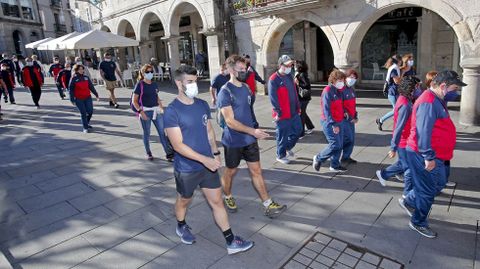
32, 76
7, 77
349, 103
80, 88
433, 133
401, 123
55, 70
253, 76
331, 105
63, 78
283, 96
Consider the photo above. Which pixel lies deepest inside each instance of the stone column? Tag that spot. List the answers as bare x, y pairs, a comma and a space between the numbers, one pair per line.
311, 51
470, 102
173, 52
425, 48
146, 51
215, 56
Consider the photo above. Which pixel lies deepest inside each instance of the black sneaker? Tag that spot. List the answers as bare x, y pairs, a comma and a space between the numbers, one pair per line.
316, 164
379, 124
410, 210
340, 169
116, 105
425, 231
111, 103
349, 161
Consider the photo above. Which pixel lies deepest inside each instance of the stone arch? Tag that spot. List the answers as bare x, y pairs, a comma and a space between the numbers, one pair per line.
105, 28
369, 16
175, 12
122, 27
145, 23
279, 27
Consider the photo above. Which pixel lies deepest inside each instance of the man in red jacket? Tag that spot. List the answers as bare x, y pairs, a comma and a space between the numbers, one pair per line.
54, 70
431, 142
32, 77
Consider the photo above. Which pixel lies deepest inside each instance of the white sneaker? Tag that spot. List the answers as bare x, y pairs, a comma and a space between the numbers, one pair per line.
283, 160
290, 154
309, 131
451, 184
380, 178
85, 131
399, 178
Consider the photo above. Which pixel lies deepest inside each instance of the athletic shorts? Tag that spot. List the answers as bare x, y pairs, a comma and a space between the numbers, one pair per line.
187, 182
233, 156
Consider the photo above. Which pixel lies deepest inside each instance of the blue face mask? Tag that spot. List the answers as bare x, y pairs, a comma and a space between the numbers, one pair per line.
451, 96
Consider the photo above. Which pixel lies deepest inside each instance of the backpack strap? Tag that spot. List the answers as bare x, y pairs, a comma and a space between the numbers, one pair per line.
141, 94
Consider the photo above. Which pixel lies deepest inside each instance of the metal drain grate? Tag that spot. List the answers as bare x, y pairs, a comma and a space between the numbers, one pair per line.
323, 251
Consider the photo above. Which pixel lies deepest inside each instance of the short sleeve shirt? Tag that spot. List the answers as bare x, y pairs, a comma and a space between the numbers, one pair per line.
392, 88
109, 69
192, 121
219, 81
150, 96
240, 102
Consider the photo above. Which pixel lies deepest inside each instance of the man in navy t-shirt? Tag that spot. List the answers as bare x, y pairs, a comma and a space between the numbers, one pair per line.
108, 68
197, 159
217, 83
240, 137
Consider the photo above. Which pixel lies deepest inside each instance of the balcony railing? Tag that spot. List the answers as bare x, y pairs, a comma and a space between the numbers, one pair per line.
60, 29
246, 6
56, 3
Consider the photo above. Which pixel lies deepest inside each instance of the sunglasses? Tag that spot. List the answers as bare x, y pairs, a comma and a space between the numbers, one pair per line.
148, 72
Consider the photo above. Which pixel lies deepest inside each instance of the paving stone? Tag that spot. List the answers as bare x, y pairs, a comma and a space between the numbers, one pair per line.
316, 265
315, 247
331, 253
294, 265
338, 265
347, 260
302, 259
308, 253
364, 265
4, 264
371, 258
325, 260
23, 193
338, 245
353, 253
29, 222
389, 264
144, 247
51, 198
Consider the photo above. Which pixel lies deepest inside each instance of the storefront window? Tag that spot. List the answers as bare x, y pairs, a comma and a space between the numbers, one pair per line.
10, 8
185, 48
394, 33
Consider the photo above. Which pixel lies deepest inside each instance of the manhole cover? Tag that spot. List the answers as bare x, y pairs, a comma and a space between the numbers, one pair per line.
323, 251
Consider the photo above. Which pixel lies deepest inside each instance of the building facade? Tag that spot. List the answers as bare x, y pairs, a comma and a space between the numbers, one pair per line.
26, 21
358, 34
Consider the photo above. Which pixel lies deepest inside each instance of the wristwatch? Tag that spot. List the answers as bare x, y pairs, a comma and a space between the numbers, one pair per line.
216, 153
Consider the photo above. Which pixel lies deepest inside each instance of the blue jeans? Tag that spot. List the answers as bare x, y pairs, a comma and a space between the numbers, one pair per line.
425, 186
348, 138
335, 144
392, 99
287, 134
10, 94
60, 91
158, 122
86, 110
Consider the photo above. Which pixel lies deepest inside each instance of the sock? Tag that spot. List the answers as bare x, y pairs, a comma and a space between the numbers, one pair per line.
228, 196
267, 202
180, 223
228, 236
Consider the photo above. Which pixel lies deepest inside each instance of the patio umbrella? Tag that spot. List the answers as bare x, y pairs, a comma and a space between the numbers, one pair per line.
96, 39
57, 43
37, 43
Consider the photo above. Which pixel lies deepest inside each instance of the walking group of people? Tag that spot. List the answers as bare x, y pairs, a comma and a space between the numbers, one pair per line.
72, 77
423, 136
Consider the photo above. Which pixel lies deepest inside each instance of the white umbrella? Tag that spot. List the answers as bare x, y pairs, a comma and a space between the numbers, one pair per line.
57, 43
37, 43
96, 39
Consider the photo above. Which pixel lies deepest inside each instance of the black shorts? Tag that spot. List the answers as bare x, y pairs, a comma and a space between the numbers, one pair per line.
187, 182
233, 156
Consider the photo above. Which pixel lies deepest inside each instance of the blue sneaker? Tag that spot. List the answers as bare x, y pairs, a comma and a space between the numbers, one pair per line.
184, 233
239, 245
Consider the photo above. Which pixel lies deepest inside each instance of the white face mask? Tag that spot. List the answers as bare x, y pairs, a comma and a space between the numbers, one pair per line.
339, 85
29, 63
410, 62
191, 90
288, 70
351, 82
149, 76
108, 59
79, 62
4, 68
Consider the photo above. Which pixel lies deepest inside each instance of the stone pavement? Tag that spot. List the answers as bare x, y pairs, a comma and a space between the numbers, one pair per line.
74, 200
